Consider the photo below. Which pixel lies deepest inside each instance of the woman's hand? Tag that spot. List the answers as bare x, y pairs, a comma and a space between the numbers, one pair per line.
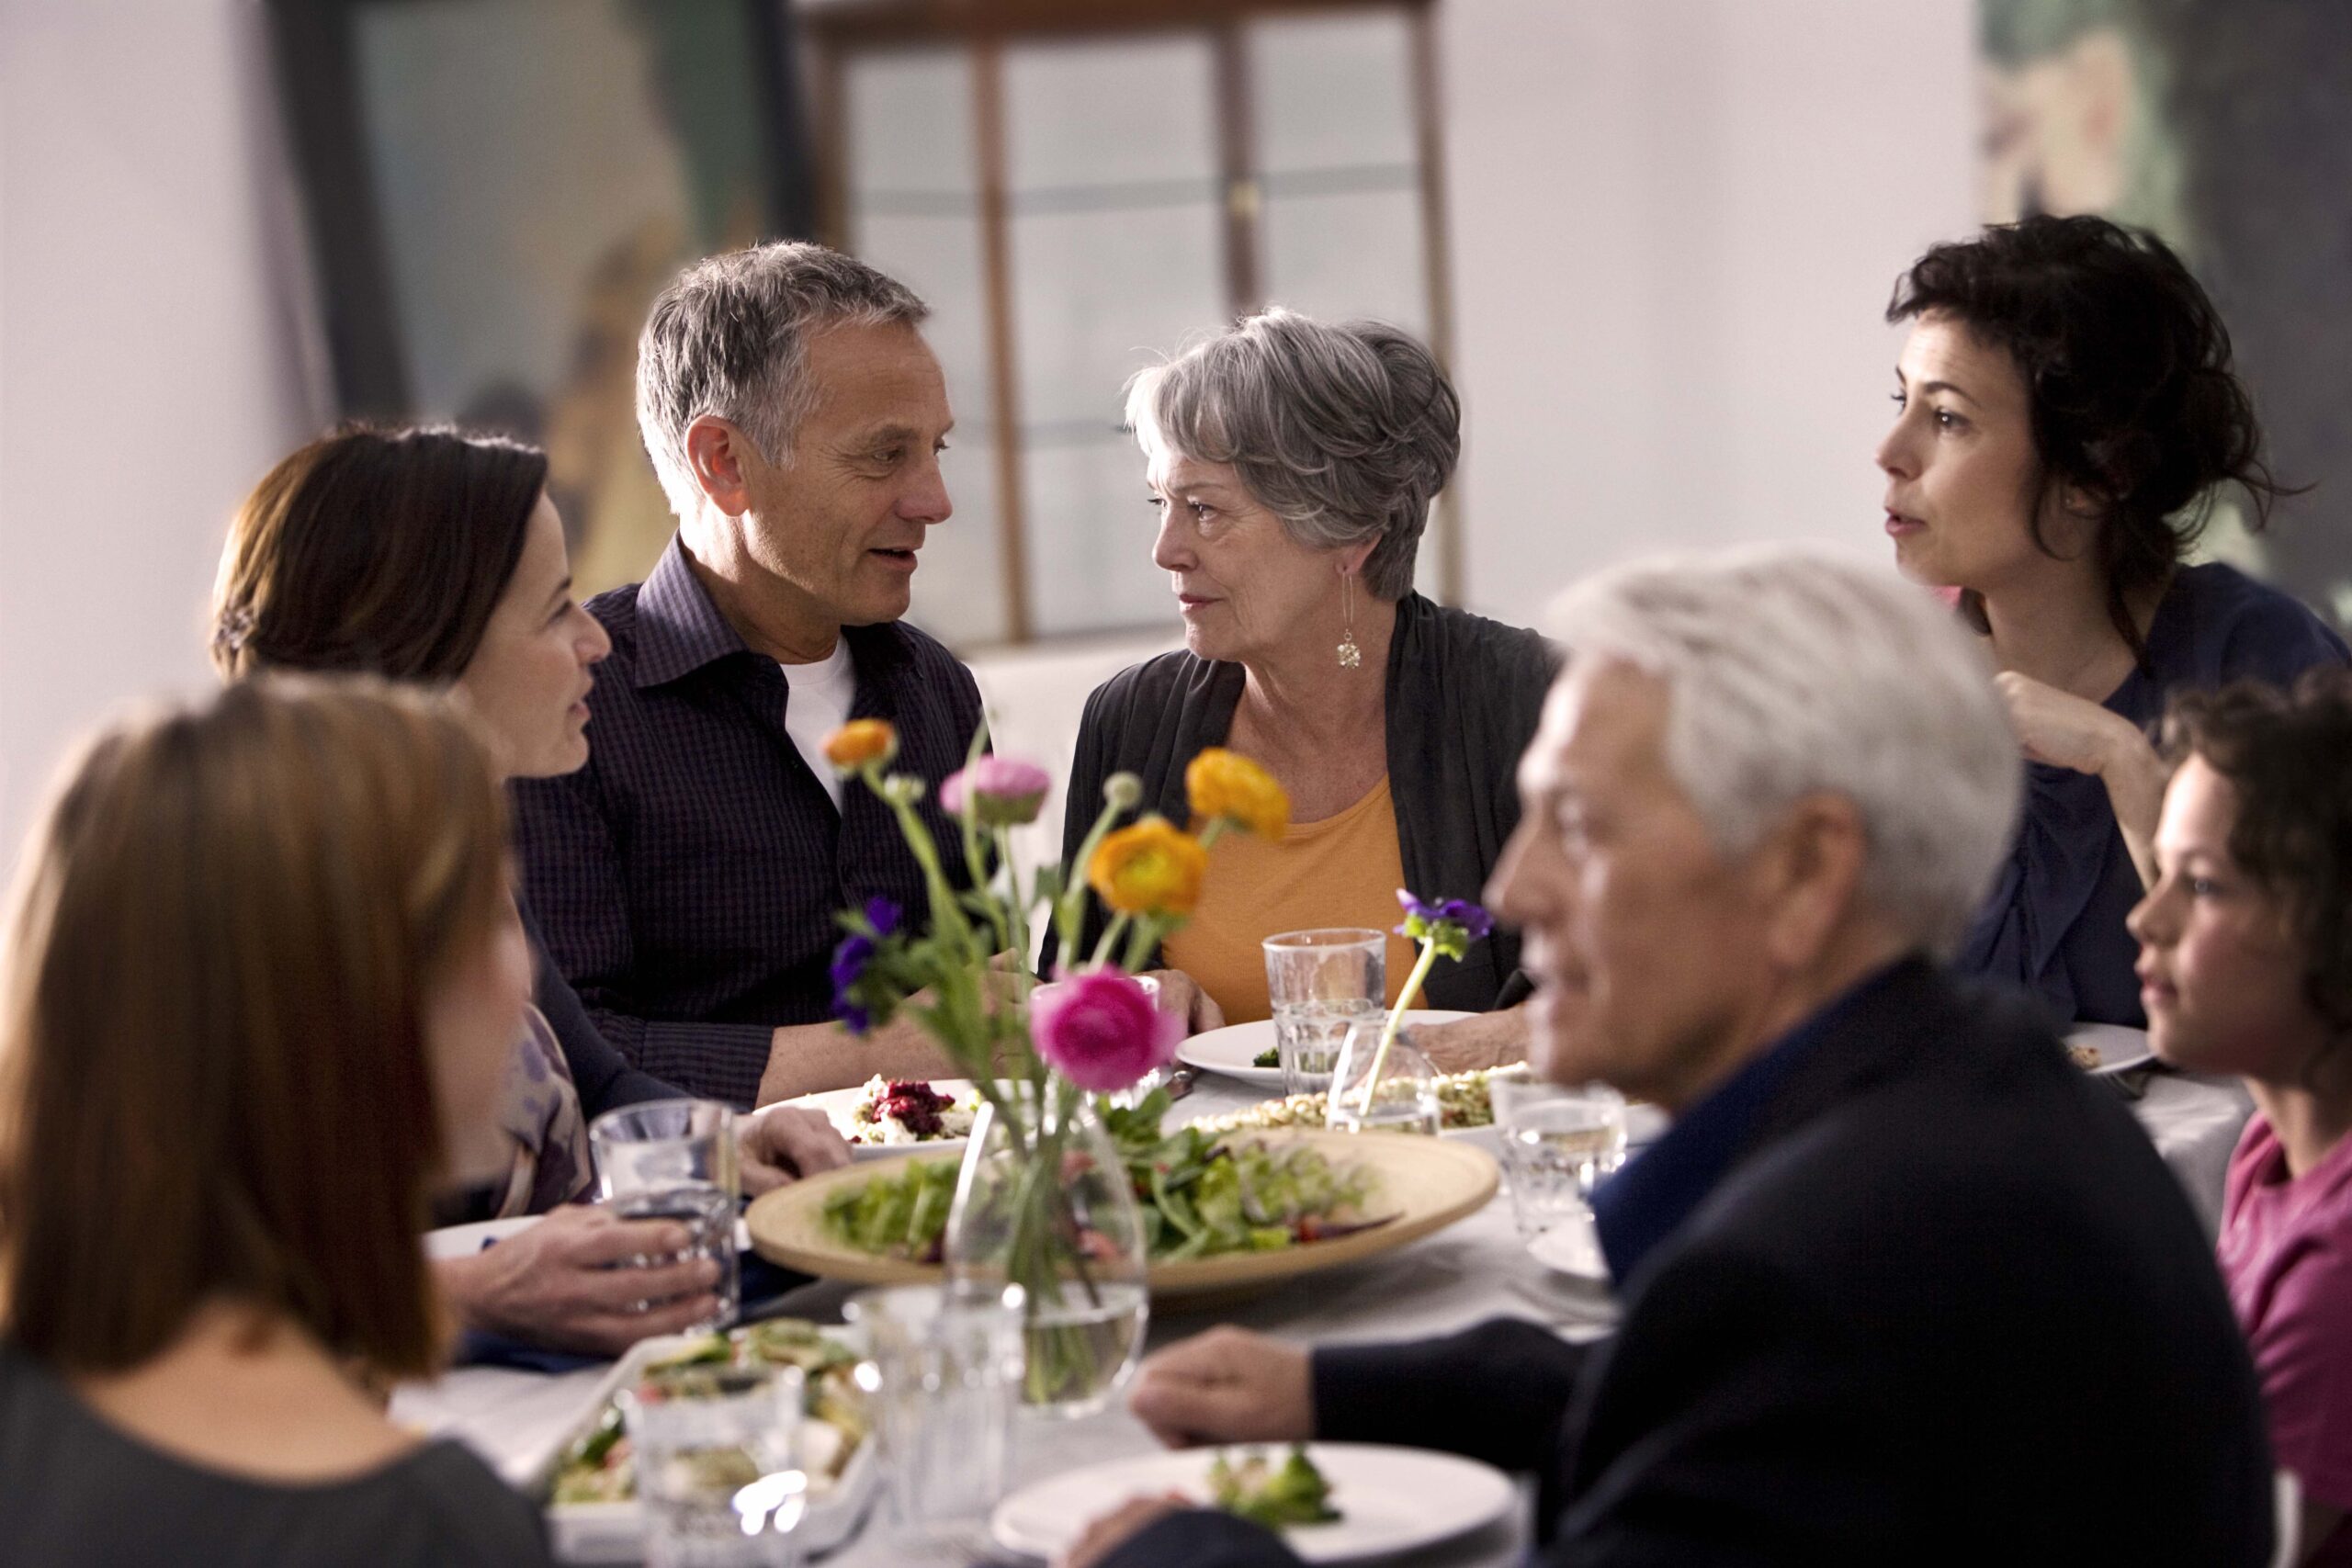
1470, 1045
574, 1281
784, 1143
2067, 731
1179, 992
1227, 1386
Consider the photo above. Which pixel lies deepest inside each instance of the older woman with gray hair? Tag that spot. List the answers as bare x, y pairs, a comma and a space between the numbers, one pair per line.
1293, 463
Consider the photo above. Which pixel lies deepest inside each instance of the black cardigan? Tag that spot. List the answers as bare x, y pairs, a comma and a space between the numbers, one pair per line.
1464, 695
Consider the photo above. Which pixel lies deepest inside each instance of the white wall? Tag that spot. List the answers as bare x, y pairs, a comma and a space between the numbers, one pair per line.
147, 377
1674, 224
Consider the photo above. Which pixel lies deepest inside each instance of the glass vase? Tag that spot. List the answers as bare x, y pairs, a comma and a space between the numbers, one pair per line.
1376, 1088
1044, 1202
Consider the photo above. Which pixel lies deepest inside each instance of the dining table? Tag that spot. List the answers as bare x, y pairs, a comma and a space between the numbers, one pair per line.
1478, 1268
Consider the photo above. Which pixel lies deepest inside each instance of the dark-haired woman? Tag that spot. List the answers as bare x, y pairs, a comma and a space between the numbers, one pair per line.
261, 978
2246, 965
432, 557
2067, 412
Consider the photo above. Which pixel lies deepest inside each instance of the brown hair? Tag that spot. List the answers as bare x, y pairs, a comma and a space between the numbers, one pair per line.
213, 1071
376, 550
2289, 757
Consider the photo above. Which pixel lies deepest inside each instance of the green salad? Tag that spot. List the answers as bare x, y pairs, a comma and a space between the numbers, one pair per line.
1292, 1493
1201, 1194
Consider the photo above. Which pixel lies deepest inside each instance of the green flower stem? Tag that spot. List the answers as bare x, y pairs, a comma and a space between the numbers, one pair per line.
1070, 913
1111, 934
1421, 967
1016, 911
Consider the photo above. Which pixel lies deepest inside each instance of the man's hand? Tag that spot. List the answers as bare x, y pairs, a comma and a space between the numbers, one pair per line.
1113, 1530
1227, 1386
783, 1144
573, 1282
1180, 993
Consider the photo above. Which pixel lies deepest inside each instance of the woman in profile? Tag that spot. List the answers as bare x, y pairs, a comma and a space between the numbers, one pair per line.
2066, 418
262, 979
436, 558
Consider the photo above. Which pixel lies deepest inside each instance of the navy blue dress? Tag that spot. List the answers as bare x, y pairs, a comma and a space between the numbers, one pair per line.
2054, 923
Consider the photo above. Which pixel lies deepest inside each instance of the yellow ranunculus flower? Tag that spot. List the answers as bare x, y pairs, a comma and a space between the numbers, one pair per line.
1225, 783
1152, 868
861, 742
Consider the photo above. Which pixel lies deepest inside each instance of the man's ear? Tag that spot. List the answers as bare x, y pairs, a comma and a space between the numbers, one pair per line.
717, 453
1811, 868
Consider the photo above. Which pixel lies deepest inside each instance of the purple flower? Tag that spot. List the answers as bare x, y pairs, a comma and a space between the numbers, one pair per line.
1005, 791
1452, 924
851, 1002
1101, 1031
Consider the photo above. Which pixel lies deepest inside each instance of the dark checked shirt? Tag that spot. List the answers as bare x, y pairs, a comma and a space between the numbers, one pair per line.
687, 879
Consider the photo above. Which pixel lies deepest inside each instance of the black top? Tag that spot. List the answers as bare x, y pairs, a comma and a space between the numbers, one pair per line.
601, 1075
687, 879
74, 1489
2054, 920
1946, 1306
1464, 696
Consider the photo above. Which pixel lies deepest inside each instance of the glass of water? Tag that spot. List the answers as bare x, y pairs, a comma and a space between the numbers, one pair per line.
943, 1373
1321, 983
674, 1159
717, 1465
1559, 1143
1402, 1098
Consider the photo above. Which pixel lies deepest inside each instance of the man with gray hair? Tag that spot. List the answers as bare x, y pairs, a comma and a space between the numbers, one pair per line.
1898, 1282
688, 878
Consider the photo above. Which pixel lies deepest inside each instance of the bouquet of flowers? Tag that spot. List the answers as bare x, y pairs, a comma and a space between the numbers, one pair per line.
1038, 1199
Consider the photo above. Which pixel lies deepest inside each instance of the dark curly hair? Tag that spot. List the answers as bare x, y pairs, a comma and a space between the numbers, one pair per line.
2127, 369
2289, 756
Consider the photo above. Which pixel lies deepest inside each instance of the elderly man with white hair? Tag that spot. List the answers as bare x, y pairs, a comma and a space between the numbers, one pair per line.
1898, 1284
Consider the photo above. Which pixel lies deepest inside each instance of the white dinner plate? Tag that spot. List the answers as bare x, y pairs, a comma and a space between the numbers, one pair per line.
2119, 1046
1390, 1500
837, 1104
1234, 1050
464, 1241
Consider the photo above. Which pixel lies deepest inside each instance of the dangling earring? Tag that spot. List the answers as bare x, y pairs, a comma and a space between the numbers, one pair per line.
1351, 655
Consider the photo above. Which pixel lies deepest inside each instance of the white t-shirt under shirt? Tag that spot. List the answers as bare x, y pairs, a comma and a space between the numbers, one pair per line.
822, 694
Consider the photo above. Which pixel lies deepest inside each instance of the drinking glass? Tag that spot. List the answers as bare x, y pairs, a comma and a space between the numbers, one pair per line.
944, 1371
717, 1465
1559, 1143
1320, 983
674, 1159
1402, 1099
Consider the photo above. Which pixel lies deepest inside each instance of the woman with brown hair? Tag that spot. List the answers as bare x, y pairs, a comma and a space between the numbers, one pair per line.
436, 558
262, 977
2067, 418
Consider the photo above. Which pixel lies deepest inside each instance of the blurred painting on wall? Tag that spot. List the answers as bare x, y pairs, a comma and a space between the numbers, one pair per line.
498, 188
2224, 126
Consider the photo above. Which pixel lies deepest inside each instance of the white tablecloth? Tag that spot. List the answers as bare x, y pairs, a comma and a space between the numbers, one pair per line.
1473, 1271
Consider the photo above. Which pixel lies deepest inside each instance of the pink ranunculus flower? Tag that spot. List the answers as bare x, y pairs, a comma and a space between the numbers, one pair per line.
1101, 1029
1006, 792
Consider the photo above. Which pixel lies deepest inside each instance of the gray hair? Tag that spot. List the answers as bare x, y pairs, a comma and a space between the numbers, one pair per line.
1345, 432
1791, 673
729, 338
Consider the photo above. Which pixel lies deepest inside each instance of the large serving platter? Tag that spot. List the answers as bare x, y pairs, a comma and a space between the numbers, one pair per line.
1425, 1183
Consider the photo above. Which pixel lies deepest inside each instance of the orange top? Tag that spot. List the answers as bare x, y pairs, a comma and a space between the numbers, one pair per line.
1343, 871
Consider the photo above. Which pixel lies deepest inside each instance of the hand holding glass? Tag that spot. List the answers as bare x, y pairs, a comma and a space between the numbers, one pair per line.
674, 1159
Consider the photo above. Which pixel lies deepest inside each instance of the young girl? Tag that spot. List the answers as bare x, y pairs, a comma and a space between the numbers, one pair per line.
2245, 965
